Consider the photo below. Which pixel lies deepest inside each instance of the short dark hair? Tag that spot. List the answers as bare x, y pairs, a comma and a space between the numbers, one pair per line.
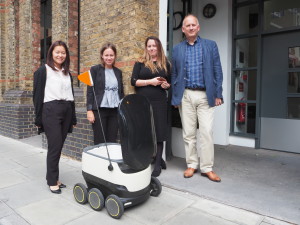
50, 61
107, 46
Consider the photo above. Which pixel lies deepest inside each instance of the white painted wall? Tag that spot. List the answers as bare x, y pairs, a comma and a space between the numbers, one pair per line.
163, 23
218, 29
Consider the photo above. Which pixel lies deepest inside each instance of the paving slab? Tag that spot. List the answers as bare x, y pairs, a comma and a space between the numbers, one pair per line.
268, 220
51, 211
37, 159
194, 216
26, 193
11, 178
7, 164
157, 210
34, 172
101, 217
4, 209
13, 220
228, 213
16, 151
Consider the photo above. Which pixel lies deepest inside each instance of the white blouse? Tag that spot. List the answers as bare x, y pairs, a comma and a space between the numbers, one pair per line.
58, 86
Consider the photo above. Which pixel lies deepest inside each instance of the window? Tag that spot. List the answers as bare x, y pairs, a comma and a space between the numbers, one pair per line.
244, 119
46, 28
293, 100
294, 108
245, 85
279, 15
246, 52
244, 71
247, 19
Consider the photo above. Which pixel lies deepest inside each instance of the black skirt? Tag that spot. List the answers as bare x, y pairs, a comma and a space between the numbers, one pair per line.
160, 119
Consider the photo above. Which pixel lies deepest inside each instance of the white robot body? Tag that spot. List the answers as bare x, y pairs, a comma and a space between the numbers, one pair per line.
95, 162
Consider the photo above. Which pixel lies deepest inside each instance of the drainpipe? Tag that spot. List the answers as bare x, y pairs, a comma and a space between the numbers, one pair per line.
78, 60
170, 36
169, 154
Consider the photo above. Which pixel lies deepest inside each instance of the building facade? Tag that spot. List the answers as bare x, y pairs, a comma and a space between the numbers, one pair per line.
257, 40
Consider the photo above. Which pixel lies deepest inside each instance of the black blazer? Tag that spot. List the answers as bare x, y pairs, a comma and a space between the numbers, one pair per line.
39, 84
98, 76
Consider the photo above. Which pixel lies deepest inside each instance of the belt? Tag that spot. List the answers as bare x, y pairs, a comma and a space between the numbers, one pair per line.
196, 88
61, 101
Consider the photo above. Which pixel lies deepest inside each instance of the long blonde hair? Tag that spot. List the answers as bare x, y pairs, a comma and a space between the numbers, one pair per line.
162, 61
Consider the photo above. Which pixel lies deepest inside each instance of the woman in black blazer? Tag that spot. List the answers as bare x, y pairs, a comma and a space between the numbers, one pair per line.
108, 88
53, 99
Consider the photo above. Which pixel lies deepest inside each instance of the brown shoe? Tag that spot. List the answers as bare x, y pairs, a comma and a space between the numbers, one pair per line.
189, 172
212, 176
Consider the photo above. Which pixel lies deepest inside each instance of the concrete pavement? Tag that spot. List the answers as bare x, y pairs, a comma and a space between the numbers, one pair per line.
26, 199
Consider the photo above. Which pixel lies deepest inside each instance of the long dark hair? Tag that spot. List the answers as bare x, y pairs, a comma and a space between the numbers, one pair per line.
107, 46
66, 63
161, 62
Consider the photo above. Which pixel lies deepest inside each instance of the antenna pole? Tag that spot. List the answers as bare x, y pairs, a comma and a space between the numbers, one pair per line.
110, 167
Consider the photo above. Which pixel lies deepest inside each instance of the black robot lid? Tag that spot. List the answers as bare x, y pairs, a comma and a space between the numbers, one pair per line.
137, 131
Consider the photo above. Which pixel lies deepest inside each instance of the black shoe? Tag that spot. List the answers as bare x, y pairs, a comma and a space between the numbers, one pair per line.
156, 172
163, 164
62, 185
58, 191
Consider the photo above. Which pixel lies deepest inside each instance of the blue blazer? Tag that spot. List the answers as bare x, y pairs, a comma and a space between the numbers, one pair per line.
212, 71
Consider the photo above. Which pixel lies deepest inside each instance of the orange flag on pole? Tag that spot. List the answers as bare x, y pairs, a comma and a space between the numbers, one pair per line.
86, 78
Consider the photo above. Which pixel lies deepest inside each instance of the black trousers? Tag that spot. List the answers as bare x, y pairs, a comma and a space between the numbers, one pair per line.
57, 120
110, 125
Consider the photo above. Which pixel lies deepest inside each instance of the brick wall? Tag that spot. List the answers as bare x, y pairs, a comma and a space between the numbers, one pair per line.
2, 27
65, 28
16, 120
19, 57
126, 23
25, 45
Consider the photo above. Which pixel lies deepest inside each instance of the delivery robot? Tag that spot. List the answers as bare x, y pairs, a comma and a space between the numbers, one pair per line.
119, 175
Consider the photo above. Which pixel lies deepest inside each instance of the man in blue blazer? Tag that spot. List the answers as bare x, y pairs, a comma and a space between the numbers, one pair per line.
197, 88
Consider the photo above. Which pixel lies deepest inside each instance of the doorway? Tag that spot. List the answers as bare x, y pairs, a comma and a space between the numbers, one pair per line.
280, 94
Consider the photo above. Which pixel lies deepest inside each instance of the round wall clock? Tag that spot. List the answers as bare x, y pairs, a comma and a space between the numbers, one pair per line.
209, 10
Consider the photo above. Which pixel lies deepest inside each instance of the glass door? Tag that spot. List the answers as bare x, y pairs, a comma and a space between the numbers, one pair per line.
280, 99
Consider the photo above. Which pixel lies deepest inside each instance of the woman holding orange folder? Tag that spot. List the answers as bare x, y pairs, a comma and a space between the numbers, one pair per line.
108, 87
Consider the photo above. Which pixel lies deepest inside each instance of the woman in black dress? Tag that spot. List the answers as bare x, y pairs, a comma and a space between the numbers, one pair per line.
151, 78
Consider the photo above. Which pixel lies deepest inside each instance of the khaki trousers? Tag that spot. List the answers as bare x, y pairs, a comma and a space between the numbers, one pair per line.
194, 106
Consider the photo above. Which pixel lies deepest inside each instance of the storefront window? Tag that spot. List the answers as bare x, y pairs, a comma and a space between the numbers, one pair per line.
246, 53
245, 85
280, 14
294, 57
247, 19
244, 119
294, 108
294, 82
